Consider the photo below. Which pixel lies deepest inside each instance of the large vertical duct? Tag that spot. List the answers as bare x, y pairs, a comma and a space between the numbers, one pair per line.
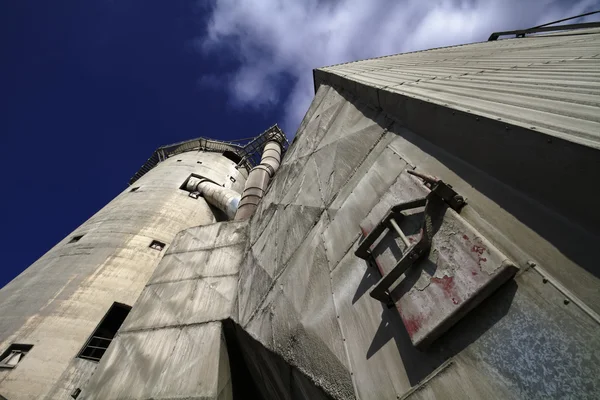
258, 180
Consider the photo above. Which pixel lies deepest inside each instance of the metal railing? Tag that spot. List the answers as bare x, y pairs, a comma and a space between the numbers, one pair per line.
520, 33
248, 149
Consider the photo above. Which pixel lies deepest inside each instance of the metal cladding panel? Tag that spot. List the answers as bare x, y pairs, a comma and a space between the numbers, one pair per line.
301, 272
548, 83
532, 346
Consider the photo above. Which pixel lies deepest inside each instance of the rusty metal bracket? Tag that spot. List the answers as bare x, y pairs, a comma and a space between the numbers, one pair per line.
440, 192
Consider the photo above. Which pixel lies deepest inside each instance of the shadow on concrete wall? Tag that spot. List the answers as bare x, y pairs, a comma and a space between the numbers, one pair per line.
480, 150
569, 238
258, 373
419, 364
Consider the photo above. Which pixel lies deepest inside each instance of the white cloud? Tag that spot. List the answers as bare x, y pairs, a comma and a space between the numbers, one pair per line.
277, 40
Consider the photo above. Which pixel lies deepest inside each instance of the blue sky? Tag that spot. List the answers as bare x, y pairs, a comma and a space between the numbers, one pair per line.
88, 89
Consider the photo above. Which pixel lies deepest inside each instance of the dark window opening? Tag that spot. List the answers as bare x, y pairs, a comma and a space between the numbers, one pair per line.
198, 162
178, 160
14, 354
156, 245
75, 393
75, 239
97, 344
232, 156
259, 373
134, 189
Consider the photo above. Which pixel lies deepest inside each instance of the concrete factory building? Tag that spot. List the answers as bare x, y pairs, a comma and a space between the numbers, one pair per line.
431, 232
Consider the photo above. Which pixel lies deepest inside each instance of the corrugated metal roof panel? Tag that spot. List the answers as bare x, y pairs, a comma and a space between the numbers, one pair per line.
549, 83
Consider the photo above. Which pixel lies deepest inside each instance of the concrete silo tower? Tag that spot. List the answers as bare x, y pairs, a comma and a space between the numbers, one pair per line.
61, 313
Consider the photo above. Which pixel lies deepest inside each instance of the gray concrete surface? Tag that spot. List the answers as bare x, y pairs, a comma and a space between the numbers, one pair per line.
58, 301
278, 306
313, 309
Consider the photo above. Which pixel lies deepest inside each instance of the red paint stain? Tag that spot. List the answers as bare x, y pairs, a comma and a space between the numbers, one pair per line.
478, 249
411, 239
447, 285
473, 273
413, 324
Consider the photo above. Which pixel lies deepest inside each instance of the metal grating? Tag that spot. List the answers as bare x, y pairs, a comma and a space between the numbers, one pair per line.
248, 149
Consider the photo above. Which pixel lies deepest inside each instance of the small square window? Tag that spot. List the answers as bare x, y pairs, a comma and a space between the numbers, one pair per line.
156, 245
134, 189
75, 239
14, 354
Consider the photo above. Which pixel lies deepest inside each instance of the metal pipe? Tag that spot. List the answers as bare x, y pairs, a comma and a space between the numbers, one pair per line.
224, 199
400, 233
258, 180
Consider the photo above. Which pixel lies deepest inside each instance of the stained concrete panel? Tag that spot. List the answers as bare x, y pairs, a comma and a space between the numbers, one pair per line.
254, 284
75, 376
308, 139
368, 328
344, 229
182, 303
183, 362
209, 236
320, 95
307, 190
200, 263
349, 120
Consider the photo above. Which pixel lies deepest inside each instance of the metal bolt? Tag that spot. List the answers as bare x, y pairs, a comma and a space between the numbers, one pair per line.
566, 301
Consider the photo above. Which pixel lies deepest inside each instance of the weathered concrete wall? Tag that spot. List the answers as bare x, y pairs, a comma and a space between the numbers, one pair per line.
304, 294
171, 345
305, 325
59, 300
